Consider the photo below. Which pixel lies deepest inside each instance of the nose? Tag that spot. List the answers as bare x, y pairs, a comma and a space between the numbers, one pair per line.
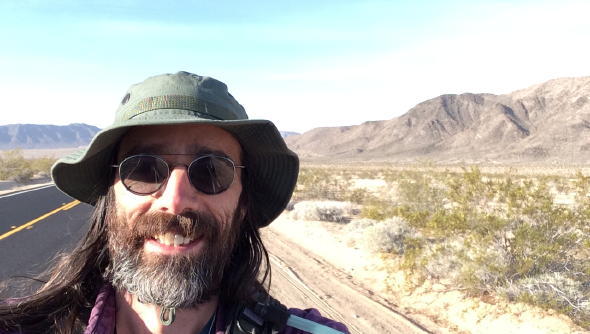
178, 195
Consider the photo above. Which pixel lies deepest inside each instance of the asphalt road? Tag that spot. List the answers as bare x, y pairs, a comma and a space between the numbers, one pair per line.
34, 227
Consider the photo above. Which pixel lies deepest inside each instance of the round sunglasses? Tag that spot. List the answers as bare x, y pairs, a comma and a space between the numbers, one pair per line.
145, 174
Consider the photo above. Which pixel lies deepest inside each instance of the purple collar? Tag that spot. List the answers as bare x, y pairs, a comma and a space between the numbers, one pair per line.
104, 314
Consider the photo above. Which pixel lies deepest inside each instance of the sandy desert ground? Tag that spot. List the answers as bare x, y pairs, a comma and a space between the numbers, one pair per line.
432, 308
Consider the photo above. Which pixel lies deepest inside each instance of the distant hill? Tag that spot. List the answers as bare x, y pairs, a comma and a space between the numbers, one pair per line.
548, 122
27, 136
286, 134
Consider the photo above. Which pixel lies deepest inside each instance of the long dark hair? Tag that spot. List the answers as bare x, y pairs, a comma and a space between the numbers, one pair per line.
249, 269
68, 295
64, 302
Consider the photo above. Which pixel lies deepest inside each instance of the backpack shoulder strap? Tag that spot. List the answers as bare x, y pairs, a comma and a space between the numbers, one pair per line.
264, 315
267, 315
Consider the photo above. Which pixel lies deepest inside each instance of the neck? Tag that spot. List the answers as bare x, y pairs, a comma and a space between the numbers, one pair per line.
136, 317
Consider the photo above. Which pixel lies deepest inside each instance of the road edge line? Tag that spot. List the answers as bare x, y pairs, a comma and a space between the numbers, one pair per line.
27, 190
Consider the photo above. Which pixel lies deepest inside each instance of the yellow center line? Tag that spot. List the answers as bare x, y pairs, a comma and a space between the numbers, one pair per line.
22, 227
70, 205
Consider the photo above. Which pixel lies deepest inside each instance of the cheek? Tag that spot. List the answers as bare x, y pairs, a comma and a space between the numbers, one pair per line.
224, 207
233, 200
128, 205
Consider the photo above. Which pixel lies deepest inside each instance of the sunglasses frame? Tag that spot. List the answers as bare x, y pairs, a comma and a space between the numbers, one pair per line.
172, 166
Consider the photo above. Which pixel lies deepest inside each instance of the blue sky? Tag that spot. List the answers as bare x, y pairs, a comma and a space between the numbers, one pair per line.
301, 64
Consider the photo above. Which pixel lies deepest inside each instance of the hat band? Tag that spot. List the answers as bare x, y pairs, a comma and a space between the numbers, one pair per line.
179, 102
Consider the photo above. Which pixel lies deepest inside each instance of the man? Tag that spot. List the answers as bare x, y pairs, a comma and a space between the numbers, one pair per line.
181, 183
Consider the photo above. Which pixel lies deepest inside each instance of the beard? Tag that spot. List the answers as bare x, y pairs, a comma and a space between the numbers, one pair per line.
180, 281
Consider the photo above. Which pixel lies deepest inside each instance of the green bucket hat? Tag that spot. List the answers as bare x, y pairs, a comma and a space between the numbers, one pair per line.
186, 98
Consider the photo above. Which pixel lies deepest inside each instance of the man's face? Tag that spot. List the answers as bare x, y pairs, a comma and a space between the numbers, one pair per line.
171, 247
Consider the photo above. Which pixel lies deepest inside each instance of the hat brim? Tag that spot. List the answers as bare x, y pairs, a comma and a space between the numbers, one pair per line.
85, 174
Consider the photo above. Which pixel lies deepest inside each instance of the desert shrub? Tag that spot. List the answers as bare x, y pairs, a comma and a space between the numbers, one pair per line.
582, 194
378, 209
413, 259
42, 165
359, 225
419, 191
330, 211
321, 184
553, 291
334, 183
538, 248
485, 265
511, 230
388, 236
13, 166
443, 259
358, 196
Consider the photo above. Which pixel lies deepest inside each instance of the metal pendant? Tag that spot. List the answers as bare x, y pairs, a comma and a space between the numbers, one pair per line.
167, 315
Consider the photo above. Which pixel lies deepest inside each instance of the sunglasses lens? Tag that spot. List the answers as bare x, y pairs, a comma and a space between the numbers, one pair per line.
143, 174
211, 174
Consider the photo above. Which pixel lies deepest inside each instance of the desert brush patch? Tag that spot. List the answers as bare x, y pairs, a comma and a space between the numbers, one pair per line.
519, 237
15, 167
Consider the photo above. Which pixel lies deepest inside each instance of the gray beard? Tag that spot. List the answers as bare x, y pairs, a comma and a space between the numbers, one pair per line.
177, 281
167, 280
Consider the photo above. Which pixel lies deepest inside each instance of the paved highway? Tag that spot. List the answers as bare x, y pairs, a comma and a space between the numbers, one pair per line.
35, 225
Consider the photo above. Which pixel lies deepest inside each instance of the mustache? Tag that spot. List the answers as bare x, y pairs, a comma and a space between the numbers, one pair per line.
190, 224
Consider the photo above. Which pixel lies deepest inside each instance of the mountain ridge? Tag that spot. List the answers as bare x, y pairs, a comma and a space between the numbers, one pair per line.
544, 122
35, 136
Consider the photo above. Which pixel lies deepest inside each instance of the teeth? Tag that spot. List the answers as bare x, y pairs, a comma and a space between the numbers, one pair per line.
170, 239
178, 240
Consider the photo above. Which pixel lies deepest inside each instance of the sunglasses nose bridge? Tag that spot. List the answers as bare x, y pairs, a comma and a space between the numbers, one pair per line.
178, 172
177, 195
172, 167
